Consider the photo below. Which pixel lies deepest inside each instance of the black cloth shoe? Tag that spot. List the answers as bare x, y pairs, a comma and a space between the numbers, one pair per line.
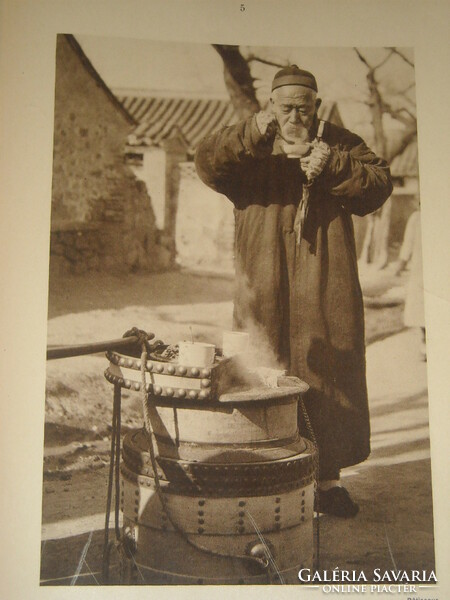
335, 501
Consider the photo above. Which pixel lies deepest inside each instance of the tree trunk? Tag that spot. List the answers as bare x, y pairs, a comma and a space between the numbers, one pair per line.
375, 246
238, 80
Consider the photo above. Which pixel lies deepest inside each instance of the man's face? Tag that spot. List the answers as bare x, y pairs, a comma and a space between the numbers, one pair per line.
295, 107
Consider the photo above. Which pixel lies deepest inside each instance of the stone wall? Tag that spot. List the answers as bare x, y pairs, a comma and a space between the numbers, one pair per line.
102, 216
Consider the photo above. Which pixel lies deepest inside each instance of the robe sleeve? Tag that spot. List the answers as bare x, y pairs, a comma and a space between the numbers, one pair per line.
223, 158
356, 177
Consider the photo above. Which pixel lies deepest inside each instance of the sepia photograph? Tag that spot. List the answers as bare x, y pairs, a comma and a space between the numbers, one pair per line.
225, 299
238, 229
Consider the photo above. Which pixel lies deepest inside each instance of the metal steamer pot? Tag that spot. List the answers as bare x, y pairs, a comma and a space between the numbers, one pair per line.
232, 498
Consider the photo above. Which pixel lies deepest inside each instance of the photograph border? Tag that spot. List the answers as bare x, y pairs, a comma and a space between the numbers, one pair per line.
28, 40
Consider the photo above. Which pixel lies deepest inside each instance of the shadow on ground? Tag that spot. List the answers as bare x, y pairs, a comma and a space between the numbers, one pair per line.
394, 529
101, 291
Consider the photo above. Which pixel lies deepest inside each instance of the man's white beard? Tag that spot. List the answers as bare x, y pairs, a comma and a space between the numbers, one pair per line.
295, 133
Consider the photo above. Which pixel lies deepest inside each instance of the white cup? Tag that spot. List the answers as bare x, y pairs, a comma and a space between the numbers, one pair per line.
235, 342
196, 354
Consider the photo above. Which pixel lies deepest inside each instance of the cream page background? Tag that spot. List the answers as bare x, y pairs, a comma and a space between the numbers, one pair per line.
27, 53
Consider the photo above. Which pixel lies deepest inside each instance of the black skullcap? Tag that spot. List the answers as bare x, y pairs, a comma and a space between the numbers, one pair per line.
294, 76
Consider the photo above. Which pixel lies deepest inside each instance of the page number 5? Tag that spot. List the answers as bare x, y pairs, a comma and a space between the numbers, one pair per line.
242, 7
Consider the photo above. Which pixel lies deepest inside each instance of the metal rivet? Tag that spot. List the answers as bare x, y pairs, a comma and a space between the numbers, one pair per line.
137, 386
201, 502
200, 530
203, 394
159, 368
181, 393
205, 383
277, 500
241, 503
182, 370
122, 362
241, 522
201, 513
206, 372
277, 517
303, 502
302, 518
169, 391
241, 529
277, 526
127, 383
136, 492
129, 363
201, 521
171, 369
193, 395
149, 366
277, 510
241, 513
148, 387
157, 390
195, 372
303, 493
303, 509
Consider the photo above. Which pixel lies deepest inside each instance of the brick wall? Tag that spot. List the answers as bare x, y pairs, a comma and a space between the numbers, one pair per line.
102, 216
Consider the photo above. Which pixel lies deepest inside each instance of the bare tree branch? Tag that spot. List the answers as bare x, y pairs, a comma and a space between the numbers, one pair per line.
252, 58
409, 137
375, 104
353, 100
384, 61
407, 61
397, 114
238, 79
410, 101
362, 58
406, 90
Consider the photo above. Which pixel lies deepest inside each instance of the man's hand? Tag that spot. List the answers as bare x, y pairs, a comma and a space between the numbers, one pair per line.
313, 164
266, 122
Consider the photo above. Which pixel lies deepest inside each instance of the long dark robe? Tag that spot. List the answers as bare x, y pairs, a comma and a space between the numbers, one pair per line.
307, 298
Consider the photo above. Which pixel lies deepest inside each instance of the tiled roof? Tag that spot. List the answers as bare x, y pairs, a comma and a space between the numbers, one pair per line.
194, 118
406, 163
159, 118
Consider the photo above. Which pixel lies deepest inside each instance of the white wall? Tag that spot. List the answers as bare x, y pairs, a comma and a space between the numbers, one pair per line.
152, 173
204, 225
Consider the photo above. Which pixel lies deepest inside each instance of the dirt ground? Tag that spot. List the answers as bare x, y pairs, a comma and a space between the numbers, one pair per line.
393, 487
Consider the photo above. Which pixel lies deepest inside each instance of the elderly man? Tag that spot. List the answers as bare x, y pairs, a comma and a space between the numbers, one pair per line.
295, 181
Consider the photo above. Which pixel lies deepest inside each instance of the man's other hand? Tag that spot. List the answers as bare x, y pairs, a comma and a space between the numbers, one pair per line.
266, 122
313, 164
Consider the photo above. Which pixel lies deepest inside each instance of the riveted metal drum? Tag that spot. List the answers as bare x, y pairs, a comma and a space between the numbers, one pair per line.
232, 497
